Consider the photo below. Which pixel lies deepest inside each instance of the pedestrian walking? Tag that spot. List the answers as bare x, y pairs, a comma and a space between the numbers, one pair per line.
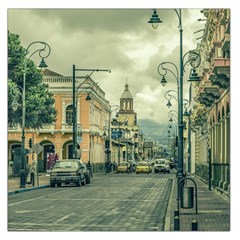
114, 166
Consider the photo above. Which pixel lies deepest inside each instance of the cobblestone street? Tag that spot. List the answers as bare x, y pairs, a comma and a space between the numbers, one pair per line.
117, 202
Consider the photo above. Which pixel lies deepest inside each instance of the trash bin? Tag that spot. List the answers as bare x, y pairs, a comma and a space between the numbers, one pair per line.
187, 197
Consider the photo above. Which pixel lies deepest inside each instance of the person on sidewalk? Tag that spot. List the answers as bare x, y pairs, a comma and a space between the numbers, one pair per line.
89, 167
30, 176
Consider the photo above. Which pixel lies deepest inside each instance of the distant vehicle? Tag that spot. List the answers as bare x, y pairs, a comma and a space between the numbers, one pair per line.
123, 168
143, 167
161, 165
69, 171
132, 166
172, 164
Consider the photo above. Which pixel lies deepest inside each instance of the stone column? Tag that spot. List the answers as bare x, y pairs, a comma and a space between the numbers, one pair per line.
222, 152
226, 184
63, 113
218, 154
213, 147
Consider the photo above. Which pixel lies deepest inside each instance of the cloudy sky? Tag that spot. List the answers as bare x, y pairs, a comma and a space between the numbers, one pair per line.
118, 39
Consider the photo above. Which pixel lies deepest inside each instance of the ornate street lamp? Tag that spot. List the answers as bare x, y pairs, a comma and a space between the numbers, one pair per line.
43, 53
74, 120
155, 20
109, 144
194, 61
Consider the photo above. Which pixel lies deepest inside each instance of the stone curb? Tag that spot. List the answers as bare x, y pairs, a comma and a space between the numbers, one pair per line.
27, 189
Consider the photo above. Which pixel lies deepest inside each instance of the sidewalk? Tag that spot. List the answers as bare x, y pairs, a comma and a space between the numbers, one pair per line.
213, 209
13, 184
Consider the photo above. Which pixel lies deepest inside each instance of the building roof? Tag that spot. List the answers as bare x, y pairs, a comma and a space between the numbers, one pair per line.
48, 72
126, 93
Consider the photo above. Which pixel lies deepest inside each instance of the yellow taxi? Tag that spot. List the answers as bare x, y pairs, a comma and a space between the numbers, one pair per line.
143, 167
122, 168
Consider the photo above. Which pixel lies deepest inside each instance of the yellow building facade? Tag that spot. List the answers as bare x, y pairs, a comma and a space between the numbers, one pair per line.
91, 118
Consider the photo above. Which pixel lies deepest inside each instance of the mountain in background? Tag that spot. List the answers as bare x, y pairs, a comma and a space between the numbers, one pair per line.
154, 131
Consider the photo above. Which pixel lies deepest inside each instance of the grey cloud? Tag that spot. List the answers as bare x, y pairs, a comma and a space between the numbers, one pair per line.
116, 39
117, 20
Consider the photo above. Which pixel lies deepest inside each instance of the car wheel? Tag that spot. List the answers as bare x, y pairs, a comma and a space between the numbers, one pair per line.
78, 183
84, 182
52, 184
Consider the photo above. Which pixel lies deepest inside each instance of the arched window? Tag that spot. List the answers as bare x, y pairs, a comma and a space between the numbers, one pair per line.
69, 115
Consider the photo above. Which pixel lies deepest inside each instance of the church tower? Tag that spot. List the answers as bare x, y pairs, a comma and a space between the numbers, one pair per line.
126, 101
126, 106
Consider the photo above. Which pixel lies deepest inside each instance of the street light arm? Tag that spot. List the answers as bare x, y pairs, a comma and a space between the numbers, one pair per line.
92, 70
41, 50
194, 59
166, 70
169, 96
171, 117
187, 104
171, 113
179, 15
174, 124
85, 88
113, 108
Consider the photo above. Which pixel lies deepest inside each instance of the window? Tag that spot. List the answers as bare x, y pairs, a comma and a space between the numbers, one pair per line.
69, 115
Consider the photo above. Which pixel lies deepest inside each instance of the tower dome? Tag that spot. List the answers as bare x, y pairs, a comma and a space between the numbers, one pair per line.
126, 93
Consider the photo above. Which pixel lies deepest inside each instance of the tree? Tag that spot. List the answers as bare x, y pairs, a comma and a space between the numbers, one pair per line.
40, 109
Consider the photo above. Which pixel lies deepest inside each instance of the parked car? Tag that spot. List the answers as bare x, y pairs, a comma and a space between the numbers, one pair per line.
69, 171
161, 165
143, 167
123, 167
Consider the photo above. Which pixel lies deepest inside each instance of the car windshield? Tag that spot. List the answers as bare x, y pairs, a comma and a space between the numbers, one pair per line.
160, 162
142, 164
123, 164
66, 164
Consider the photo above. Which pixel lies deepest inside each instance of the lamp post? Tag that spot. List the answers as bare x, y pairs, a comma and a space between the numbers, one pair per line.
189, 151
88, 98
194, 60
74, 120
43, 53
109, 142
119, 122
173, 123
172, 134
107, 148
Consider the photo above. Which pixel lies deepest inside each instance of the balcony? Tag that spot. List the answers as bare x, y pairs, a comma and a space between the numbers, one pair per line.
220, 75
226, 42
207, 95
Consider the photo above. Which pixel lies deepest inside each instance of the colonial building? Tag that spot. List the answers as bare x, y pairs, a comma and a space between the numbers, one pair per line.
57, 139
210, 118
128, 143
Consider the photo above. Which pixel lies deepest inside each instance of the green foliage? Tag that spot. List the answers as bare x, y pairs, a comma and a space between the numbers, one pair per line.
39, 101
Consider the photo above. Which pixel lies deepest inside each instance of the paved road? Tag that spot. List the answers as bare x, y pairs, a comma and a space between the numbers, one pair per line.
114, 202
